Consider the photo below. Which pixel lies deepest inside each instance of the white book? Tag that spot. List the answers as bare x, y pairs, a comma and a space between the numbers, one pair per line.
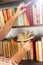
1, 18
34, 14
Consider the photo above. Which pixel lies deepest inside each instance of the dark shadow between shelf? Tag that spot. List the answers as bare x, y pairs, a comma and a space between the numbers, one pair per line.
30, 62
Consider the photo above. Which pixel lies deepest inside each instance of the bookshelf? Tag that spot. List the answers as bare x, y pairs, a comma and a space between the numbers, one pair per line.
13, 3
37, 29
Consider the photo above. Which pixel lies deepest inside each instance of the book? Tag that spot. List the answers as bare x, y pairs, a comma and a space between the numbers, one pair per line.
20, 20
39, 50
5, 15
29, 14
31, 50
4, 49
42, 14
9, 13
26, 21
1, 52
8, 47
13, 47
37, 54
42, 47
39, 14
1, 19
34, 14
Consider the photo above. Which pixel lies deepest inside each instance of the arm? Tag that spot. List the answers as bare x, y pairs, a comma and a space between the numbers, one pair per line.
18, 57
6, 28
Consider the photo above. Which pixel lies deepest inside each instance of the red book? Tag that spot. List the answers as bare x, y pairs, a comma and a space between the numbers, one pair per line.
29, 14
9, 13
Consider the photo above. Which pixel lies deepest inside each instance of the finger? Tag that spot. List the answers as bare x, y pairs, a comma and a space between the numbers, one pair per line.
21, 5
22, 11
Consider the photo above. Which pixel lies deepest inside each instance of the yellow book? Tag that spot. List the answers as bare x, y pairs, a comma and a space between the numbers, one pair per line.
42, 46
37, 52
4, 49
26, 22
34, 14
12, 42
5, 15
1, 52
31, 50
1, 18
40, 50
8, 44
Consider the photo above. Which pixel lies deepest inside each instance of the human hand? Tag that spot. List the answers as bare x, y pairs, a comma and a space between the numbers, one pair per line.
20, 8
27, 45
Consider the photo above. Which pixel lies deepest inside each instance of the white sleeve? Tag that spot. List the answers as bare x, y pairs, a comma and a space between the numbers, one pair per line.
6, 61
12, 62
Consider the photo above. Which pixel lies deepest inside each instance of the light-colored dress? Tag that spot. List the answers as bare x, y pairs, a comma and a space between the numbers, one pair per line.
6, 61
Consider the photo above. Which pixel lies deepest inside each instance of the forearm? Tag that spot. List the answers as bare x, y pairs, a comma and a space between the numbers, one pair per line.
5, 29
18, 57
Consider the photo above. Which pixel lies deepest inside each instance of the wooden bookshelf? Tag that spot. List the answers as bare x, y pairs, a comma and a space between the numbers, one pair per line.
15, 4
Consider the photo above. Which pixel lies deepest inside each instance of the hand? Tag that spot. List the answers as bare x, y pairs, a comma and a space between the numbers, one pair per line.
20, 8
27, 45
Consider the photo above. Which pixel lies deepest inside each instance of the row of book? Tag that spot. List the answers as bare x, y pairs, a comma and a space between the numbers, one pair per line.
9, 48
32, 16
6, 1
7, 14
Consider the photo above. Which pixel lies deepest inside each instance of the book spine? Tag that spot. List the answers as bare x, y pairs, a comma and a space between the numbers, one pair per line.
34, 15
29, 14
5, 15
25, 19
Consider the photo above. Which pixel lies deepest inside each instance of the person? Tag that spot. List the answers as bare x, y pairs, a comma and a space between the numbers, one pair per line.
4, 31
